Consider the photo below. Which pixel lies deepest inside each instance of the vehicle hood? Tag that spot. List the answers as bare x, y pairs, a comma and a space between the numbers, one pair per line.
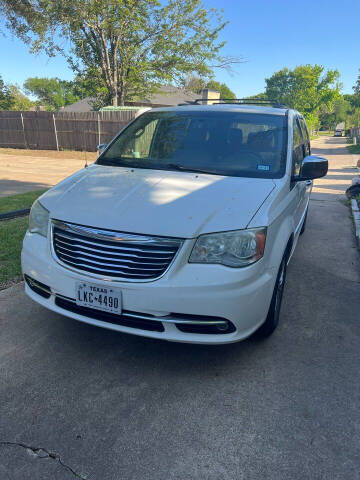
156, 202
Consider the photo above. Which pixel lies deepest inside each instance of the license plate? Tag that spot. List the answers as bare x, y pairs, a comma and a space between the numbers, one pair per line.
107, 299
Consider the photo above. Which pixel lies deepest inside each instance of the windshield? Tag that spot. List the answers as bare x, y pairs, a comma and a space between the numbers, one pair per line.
222, 143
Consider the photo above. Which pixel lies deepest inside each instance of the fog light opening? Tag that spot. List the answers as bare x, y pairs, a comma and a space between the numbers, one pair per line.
38, 287
223, 327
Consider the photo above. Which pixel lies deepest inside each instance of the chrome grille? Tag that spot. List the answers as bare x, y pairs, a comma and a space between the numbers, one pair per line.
112, 254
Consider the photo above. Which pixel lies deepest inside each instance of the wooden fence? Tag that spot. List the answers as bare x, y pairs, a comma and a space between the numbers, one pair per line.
355, 133
61, 130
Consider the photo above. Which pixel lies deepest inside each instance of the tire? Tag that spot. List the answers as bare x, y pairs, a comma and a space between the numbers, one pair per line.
272, 319
304, 223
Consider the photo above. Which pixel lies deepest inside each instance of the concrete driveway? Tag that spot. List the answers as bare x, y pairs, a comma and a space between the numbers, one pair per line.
33, 170
81, 402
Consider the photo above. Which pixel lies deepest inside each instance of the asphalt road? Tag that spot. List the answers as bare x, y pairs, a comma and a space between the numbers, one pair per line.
99, 405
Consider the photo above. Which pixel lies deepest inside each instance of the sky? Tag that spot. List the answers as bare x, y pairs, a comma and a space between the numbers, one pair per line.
268, 34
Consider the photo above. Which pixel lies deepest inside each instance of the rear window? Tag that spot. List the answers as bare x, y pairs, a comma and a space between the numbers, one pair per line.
222, 143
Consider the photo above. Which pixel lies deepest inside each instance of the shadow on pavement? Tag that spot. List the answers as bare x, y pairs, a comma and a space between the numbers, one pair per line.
11, 187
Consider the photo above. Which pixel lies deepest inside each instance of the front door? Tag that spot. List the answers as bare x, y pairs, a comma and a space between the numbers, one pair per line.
300, 188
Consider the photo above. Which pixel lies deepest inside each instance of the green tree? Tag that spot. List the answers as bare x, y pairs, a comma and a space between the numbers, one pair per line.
353, 119
52, 93
338, 112
306, 88
21, 101
193, 83
341, 109
356, 87
353, 113
353, 99
137, 44
224, 90
196, 84
259, 96
326, 116
353, 116
91, 84
6, 98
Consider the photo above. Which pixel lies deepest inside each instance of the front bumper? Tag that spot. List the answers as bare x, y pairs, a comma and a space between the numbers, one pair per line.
186, 292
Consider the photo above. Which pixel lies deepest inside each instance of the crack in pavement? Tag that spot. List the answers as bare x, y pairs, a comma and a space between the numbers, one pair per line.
42, 452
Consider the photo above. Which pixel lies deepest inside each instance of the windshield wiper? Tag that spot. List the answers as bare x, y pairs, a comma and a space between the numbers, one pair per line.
182, 168
111, 162
121, 162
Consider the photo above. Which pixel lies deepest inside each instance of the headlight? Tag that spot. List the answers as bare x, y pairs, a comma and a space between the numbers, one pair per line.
39, 219
233, 249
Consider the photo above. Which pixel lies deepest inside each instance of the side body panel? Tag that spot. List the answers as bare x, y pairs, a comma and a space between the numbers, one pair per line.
284, 210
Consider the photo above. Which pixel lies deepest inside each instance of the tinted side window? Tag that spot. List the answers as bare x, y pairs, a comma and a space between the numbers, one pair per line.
306, 137
298, 149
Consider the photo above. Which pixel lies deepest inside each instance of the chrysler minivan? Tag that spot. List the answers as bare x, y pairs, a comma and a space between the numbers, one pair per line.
183, 227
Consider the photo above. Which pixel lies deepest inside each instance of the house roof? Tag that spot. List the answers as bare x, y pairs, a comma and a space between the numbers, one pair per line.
167, 96
84, 105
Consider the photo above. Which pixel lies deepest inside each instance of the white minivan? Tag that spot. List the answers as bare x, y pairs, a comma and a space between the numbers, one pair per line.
182, 228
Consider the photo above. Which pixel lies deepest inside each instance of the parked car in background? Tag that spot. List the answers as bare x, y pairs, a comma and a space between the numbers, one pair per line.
338, 133
182, 229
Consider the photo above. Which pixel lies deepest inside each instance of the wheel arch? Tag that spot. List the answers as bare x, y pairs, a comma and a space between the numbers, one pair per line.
282, 240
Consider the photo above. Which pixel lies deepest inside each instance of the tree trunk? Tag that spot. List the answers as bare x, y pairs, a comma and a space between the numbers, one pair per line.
114, 99
122, 98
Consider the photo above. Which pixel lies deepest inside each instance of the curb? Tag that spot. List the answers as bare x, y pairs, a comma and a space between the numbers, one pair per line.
14, 214
356, 218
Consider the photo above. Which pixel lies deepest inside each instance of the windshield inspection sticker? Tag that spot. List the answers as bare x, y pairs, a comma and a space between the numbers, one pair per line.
264, 167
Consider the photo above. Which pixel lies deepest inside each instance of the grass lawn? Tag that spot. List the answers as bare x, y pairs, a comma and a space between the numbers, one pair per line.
354, 148
11, 236
326, 132
19, 201
91, 156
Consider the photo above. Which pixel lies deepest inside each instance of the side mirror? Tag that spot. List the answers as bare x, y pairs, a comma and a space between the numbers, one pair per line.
101, 147
312, 167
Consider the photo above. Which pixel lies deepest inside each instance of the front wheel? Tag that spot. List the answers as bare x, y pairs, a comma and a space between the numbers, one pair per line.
272, 319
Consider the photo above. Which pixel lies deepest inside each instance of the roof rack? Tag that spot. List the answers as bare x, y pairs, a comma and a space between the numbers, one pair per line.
242, 101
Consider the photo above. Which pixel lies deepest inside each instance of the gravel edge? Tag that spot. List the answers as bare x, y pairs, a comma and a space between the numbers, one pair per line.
11, 282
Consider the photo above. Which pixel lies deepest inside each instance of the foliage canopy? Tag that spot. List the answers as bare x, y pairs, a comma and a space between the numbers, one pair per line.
356, 88
53, 93
224, 90
6, 98
305, 88
196, 84
130, 46
20, 101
